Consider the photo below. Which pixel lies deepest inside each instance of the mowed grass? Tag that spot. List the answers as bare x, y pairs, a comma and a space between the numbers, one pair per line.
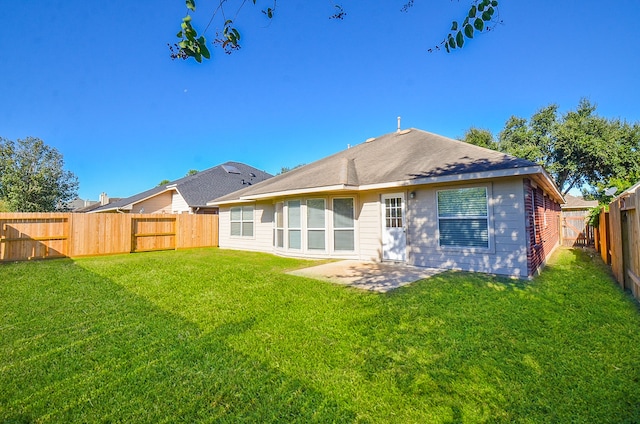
224, 336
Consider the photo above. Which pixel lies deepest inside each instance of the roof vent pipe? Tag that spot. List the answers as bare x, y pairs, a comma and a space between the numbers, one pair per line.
398, 124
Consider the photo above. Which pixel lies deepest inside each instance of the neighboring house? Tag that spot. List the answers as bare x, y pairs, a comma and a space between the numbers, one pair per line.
576, 230
91, 205
409, 196
191, 193
79, 204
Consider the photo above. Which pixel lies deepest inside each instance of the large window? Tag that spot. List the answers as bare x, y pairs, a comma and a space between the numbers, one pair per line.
343, 224
463, 217
293, 224
315, 224
242, 221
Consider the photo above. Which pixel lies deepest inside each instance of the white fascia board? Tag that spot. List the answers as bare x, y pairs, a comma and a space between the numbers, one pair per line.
512, 172
501, 173
550, 185
283, 193
114, 208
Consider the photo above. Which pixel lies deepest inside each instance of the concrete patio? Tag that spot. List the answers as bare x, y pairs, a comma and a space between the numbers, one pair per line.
374, 276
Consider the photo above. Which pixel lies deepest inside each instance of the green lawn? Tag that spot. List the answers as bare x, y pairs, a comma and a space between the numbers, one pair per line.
222, 336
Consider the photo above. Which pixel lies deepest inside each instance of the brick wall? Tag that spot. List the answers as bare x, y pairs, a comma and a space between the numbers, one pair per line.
542, 215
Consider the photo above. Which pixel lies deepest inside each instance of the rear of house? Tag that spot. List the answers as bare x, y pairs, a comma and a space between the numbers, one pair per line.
411, 197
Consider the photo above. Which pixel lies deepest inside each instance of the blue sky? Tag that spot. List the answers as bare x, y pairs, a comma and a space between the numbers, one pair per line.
95, 81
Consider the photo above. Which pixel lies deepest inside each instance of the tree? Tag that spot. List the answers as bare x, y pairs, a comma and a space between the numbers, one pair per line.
577, 148
191, 172
624, 166
285, 169
32, 178
163, 182
480, 137
482, 16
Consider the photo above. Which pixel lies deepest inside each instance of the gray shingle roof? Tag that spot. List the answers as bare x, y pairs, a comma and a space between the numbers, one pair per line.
395, 157
200, 188
573, 202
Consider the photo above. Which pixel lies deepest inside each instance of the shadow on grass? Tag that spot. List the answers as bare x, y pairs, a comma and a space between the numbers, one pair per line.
79, 348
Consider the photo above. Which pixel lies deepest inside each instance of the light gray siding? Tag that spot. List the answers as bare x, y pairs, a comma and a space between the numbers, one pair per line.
178, 204
370, 227
262, 230
156, 204
507, 237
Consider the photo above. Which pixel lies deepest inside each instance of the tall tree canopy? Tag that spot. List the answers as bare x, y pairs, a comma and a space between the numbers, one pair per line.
482, 16
577, 148
480, 137
32, 178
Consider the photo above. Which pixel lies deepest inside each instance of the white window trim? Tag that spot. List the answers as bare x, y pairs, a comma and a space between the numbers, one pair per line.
308, 228
489, 218
243, 221
353, 228
276, 228
288, 228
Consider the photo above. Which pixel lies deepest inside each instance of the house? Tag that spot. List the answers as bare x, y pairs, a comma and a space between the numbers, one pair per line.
410, 196
81, 205
576, 230
90, 205
191, 193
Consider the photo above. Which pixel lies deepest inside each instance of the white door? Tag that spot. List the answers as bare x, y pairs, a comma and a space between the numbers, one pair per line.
394, 237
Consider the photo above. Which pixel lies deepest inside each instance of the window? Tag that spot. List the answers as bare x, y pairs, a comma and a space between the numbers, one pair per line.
293, 224
393, 212
279, 230
242, 221
315, 224
343, 224
463, 217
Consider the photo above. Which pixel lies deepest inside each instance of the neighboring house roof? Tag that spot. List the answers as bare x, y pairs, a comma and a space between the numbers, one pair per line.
199, 188
404, 158
94, 206
573, 202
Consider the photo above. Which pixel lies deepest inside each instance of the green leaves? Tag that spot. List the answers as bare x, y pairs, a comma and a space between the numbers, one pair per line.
190, 45
32, 177
577, 147
468, 31
480, 14
231, 35
193, 44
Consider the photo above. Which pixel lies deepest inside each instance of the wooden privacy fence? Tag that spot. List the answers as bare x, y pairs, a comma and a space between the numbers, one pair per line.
618, 239
25, 236
624, 225
603, 238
